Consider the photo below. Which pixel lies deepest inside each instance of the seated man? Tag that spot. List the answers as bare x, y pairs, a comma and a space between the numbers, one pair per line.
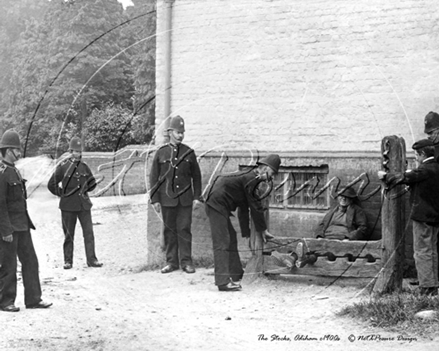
347, 221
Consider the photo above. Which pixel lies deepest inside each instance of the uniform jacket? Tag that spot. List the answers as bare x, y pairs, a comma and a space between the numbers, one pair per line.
356, 223
14, 216
436, 152
423, 182
175, 176
72, 181
238, 191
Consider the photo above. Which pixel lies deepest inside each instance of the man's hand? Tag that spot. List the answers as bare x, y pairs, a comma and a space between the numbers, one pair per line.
267, 236
156, 207
8, 238
381, 174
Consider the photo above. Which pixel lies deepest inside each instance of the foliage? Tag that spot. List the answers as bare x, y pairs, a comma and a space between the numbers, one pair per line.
111, 128
68, 63
396, 311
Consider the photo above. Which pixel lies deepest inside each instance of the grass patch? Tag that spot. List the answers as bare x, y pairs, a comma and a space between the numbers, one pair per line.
396, 311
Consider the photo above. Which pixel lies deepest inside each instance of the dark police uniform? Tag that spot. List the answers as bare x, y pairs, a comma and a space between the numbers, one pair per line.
230, 192
76, 180
15, 221
175, 182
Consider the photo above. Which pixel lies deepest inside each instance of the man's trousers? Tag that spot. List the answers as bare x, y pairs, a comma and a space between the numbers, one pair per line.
177, 232
23, 247
426, 253
227, 264
69, 219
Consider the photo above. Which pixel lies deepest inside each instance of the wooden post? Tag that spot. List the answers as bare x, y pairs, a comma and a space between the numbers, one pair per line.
393, 219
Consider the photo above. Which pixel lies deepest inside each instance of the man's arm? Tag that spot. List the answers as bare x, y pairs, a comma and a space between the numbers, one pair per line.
154, 179
91, 181
409, 177
196, 178
5, 222
256, 206
416, 175
360, 223
243, 220
323, 225
55, 179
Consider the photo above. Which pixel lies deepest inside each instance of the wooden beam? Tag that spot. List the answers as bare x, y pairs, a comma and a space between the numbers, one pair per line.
393, 219
360, 268
340, 248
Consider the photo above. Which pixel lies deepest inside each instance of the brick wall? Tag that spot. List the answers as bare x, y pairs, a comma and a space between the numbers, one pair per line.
300, 75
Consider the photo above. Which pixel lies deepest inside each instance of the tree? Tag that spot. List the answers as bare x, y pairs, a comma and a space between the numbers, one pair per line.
109, 128
14, 17
70, 62
144, 63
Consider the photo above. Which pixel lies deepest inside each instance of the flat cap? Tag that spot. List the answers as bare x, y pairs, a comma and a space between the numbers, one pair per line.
422, 143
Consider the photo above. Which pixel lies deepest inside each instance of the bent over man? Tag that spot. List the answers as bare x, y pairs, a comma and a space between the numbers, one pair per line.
229, 192
15, 235
71, 181
175, 185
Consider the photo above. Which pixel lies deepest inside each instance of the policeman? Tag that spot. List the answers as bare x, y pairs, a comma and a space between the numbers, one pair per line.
71, 181
236, 191
175, 185
15, 225
431, 128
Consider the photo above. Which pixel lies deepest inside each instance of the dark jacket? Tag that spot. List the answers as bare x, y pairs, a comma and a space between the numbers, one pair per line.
238, 191
175, 176
76, 180
356, 223
436, 151
14, 216
423, 182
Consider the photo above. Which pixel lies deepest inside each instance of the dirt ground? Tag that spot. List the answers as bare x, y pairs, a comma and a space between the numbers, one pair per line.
122, 307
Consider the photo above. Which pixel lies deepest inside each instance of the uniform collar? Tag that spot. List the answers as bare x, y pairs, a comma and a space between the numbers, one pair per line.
432, 158
175, 146
71, 160
8, 163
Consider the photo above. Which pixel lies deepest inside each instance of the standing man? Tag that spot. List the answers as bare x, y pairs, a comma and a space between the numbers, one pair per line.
15, 235
423, 182
71, 181
175, 185
239, 190
431, 129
